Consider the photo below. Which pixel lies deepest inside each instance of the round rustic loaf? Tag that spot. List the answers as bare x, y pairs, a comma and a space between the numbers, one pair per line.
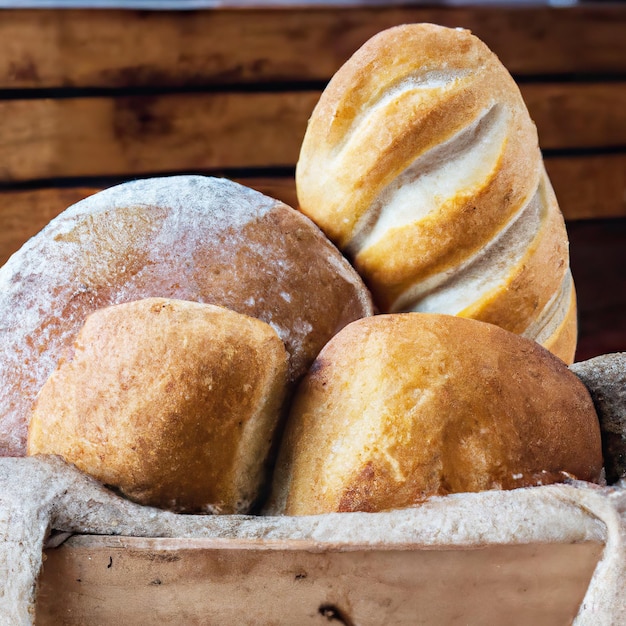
400, 407
184, 237
173, 403
422, 164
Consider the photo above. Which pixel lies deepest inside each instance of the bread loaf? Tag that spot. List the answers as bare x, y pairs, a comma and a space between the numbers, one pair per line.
421, 163
185, 237
173, 403
398, 408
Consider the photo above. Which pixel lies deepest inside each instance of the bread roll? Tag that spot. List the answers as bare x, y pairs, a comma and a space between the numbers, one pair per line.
173, 403
397, 408
421, 163
184, 237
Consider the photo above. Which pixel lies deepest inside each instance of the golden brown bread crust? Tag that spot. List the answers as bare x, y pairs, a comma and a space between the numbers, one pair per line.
173, 403
422, 164
401, 407
562, 340
183, 237
529, 301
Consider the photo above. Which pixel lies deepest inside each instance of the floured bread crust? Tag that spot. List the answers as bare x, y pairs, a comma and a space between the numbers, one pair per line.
421, 162
184, 237
173, 403
398, 408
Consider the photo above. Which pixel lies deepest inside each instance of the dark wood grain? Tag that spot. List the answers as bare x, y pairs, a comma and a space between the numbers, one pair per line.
589, 185
91, 48
131, 135
578, 114
598, 261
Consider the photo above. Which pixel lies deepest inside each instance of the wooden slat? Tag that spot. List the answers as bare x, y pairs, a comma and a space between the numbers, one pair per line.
598, 261
105, 136
88, 48
578, 115
132, 135
102, 580
591, 186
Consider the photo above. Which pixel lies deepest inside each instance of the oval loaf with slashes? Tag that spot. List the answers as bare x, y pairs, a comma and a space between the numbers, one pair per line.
422, 164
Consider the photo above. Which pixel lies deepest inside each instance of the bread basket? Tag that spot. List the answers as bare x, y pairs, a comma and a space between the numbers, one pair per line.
547, 555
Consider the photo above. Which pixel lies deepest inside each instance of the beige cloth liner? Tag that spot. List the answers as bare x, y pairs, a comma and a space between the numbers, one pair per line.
40, 494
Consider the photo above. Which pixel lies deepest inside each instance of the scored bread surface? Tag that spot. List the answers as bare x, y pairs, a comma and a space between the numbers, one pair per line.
183, 237
398, 408
422, 164
173, 403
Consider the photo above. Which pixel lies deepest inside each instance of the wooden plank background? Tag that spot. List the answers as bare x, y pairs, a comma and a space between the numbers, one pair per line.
89, 98
132, 48
131, 135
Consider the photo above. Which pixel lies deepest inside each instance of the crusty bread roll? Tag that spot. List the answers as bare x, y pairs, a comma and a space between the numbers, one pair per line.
421, 163
184, 237
397, 408
173, 403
